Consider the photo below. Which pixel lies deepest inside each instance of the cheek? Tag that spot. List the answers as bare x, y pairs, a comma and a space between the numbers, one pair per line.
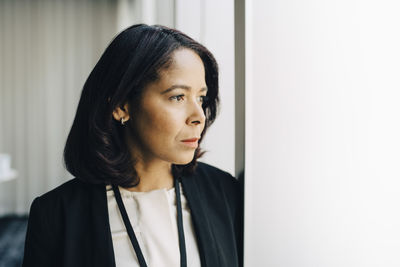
162, 123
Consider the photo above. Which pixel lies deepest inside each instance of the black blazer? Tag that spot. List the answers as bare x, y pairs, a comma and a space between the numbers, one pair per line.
69, 226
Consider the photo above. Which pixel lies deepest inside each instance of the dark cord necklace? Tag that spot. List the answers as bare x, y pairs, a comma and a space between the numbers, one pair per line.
131, 233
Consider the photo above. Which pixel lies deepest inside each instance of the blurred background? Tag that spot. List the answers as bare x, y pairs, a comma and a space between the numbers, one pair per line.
47, 50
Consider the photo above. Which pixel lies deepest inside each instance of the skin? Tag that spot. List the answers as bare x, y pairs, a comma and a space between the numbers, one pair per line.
170, 111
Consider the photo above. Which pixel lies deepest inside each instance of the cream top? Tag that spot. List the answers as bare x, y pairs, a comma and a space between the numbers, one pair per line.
154, 220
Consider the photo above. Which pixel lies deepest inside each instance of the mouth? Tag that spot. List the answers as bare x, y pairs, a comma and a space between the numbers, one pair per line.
192, 142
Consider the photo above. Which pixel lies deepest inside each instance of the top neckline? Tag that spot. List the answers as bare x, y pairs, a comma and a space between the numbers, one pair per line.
144, 192
126, 192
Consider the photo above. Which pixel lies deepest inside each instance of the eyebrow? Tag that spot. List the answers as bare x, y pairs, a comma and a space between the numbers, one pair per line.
181, 86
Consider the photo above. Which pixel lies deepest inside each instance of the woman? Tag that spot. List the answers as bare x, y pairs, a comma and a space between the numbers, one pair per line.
140, 198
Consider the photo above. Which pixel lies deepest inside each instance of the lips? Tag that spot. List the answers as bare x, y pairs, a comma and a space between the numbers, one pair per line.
191, 143
190, 140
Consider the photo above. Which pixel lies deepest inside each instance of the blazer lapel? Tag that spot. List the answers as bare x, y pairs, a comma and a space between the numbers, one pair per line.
202, 226
102, 250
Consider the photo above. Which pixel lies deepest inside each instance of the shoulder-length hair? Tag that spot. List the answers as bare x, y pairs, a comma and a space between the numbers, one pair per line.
95, 151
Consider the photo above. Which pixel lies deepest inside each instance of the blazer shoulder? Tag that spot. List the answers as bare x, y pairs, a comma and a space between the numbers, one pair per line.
70, 189
216, 180
214, 174
51, 216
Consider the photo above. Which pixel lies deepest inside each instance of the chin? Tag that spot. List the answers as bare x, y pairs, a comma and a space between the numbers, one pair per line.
183, 160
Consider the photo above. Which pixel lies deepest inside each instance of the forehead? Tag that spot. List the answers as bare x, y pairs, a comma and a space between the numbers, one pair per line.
186, 66
185, 58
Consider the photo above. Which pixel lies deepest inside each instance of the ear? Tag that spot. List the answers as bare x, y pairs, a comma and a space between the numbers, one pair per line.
121, 112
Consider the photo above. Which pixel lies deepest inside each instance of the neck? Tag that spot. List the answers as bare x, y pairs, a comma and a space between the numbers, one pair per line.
155, 175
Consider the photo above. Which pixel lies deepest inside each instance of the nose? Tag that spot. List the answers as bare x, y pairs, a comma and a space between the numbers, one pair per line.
196, 114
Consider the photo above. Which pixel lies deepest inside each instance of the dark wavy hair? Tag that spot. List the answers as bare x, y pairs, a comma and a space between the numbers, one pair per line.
95, 151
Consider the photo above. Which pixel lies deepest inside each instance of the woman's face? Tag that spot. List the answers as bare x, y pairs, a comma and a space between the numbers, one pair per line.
170, 112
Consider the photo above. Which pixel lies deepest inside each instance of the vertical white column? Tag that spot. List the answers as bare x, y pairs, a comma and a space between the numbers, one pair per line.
322, 133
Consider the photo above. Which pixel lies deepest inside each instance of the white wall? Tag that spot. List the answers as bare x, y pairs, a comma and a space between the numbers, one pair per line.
322, 133
211, 23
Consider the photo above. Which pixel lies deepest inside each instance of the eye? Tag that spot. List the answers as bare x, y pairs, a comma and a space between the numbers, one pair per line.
178, 98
